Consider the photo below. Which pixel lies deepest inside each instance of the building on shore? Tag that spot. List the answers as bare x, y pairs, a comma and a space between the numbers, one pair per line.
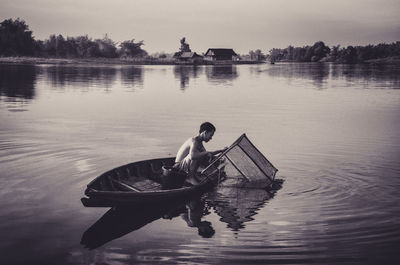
220, 56
188, 58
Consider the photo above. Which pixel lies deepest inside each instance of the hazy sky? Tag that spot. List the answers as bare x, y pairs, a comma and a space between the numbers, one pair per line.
241, 25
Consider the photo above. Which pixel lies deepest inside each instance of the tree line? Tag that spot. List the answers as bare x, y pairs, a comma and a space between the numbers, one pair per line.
319, 52
16, 40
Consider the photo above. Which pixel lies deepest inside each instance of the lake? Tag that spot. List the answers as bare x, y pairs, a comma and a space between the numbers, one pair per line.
331, 130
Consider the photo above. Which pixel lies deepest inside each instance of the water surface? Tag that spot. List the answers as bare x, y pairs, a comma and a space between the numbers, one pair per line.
331, 130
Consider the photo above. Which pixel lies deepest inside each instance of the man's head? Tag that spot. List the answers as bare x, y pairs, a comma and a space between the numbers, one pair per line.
207, 131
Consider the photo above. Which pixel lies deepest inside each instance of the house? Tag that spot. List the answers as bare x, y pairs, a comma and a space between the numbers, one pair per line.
188, 58
220, 55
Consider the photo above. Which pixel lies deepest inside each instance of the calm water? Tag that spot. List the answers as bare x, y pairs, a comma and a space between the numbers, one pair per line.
331, 130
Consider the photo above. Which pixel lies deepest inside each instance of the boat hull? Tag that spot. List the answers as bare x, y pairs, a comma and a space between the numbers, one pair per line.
142, 183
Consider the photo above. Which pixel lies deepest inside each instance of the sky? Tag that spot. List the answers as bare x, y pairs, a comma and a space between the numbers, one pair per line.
242, 25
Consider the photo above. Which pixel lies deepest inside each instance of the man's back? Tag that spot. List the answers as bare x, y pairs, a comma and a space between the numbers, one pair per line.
184, 150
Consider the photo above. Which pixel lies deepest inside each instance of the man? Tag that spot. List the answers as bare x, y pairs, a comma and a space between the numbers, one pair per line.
192, 154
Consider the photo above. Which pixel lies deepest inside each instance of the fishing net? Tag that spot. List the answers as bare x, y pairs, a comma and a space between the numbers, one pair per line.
245, 161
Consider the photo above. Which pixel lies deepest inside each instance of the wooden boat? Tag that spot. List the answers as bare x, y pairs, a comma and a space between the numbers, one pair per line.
154, 181
143, 182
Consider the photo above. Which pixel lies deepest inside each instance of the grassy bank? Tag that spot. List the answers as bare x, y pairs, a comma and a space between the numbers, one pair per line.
94, 61
39, 60
146, 61
388, 60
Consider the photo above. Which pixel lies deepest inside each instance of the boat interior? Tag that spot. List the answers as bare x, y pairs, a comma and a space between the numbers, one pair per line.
137, 177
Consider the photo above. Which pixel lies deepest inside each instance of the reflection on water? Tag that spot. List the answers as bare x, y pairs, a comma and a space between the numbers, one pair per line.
195, 209
318, 73
321, 73
221, 73
17, 86
184, 73
132, 76
18, 81
336, 145
235, 206
216, 74
80, 76
118, 222
388, 74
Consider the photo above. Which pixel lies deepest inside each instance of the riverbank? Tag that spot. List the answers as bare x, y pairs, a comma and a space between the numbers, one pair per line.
40, 60
387, 60
96, 61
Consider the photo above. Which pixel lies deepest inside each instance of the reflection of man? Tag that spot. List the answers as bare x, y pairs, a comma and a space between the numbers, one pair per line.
193, 215
192, 154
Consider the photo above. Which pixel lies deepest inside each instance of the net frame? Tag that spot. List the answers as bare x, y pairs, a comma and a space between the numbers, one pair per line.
269, 175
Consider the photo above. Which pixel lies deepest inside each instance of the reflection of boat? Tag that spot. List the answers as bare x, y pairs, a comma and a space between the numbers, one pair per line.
140, 182
236, 206
118, 222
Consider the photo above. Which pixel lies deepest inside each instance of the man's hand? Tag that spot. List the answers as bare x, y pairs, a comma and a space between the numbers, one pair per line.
222, 150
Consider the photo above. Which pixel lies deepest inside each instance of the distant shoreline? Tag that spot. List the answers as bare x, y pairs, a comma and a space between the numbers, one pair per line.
387, 60
42, 60
118, 61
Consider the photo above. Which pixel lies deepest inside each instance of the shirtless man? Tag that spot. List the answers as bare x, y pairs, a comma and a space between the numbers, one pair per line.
192, 154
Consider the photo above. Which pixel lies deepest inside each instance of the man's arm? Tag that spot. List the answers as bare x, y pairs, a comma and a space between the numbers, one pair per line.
218, 151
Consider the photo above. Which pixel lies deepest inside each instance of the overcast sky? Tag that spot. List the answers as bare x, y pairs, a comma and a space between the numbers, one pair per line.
241, 25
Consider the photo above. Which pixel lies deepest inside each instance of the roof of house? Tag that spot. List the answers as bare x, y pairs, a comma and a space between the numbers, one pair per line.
177, 54
186, 55
189, 55
220, 52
